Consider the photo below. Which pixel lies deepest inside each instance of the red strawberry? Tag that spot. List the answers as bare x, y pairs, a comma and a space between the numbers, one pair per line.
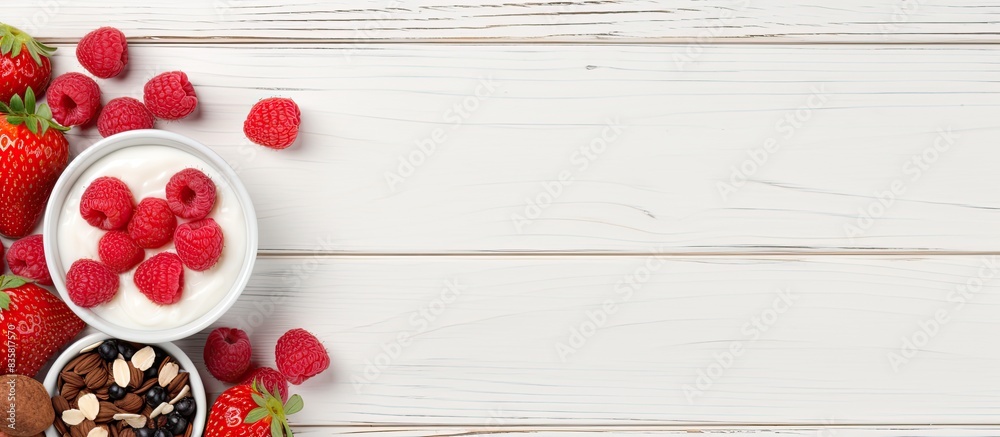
33, 152
37, 322
24, 63
250, 411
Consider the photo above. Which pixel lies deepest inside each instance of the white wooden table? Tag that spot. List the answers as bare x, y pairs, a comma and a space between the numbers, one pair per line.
575, 217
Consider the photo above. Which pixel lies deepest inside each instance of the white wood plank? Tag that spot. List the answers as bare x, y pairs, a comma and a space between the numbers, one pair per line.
540, 117
545, 20
830, 431
488, 354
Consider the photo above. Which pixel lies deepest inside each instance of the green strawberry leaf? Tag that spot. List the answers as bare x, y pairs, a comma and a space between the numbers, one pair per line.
31, 114
4, 301
6, 44
294, 405
8, 282
29, 101
258, 399
276, 430
13, 40
256, 415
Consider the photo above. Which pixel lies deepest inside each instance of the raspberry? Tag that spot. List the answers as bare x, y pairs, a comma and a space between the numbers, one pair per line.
107, 203
227, 354
199, 244
103, 52
191, 194
123, 114
119, 252
74, 99
273, 123
272, 381
153, 224
90, 283
26, 258
170, 95
161, 278
1, 257
300, 356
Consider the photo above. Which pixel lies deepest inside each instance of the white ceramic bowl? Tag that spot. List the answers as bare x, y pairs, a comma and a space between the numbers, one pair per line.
68, 181
197, 387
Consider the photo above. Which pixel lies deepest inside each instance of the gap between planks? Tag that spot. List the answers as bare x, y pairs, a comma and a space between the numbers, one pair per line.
562, 254
741, 40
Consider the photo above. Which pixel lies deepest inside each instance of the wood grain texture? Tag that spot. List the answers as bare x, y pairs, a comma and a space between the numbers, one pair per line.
829, 431
496, 20
443, 148
475, 341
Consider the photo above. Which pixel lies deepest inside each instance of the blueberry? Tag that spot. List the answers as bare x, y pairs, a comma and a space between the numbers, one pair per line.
186, 407
116, 392
162, 433
152, 372
176, 423
126, 350
108, 350
144, 432
156, 396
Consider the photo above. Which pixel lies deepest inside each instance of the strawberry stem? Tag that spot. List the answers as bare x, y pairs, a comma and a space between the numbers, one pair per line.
269, 405
13, 40
24, 111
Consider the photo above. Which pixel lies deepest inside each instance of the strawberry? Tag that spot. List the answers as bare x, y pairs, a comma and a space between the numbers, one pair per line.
251, 411
24, 63
33, 152
36, 323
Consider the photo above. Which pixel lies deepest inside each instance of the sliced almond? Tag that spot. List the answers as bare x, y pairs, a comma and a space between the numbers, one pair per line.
122, 373
167, 408
89, 405
73, 417
91, 347
143, 358
184, 391
168, 373
133, 420
100, 431
160, 410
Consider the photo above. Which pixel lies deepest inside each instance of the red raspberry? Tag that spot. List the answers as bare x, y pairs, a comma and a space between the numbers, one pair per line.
170, 95
191, 194
273, 123
300, 356
1, 257
103, 52
119, 252
90, 283
74, 99
199, 244
26, 258
123, 114
227, 354
161, 278
153, 224
272, 381
107, 203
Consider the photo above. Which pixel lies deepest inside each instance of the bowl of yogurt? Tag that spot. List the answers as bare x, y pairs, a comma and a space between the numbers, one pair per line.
145, 160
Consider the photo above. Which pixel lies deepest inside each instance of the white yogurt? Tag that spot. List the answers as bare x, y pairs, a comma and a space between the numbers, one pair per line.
146, 170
